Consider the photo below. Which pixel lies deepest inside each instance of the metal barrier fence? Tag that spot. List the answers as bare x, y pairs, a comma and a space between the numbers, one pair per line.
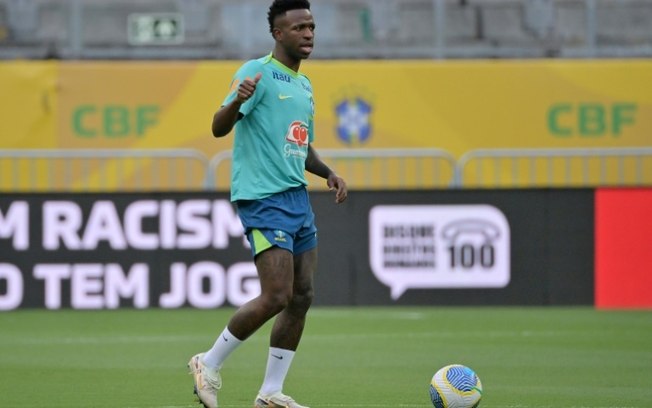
367, 168
81, 170
555, 167
101, 170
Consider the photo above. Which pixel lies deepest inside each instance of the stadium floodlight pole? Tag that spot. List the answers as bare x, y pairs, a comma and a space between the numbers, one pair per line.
440, 28
590, 28
76, 40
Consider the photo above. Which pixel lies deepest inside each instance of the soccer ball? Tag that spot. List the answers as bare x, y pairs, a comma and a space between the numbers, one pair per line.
455, 386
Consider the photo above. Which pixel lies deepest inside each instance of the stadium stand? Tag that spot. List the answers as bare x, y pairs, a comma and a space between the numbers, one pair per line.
91, 29
3, 25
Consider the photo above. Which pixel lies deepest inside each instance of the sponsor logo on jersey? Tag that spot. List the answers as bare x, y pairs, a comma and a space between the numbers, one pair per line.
297, 133
281, 77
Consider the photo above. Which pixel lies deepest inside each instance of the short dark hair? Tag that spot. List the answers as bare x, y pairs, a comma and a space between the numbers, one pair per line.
279, 7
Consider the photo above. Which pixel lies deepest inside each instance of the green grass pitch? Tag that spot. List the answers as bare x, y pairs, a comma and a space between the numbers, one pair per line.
349, 357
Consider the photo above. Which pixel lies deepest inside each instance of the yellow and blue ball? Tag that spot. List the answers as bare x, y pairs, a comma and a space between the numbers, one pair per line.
455, 386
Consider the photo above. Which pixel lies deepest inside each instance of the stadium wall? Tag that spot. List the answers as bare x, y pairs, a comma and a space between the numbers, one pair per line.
453, 105
470, 247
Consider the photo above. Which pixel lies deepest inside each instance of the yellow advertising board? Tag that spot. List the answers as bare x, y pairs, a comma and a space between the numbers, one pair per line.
28, 104
457, 106
463, 105
141, 105
453, 105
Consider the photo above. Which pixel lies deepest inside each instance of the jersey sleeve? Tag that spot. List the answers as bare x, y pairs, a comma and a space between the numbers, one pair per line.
248, 70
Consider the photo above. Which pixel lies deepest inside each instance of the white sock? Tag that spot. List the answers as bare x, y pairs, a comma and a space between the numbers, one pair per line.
278, 364
224, 345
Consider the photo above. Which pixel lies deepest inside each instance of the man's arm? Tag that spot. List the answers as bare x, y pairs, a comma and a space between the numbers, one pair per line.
226, 117
316, 166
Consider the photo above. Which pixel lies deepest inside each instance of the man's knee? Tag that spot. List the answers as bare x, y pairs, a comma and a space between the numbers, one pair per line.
277, 300
301, 301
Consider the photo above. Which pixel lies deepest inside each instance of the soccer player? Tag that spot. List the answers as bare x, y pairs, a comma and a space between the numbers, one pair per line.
271, 106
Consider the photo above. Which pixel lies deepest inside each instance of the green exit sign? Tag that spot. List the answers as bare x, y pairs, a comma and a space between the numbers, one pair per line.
155, 28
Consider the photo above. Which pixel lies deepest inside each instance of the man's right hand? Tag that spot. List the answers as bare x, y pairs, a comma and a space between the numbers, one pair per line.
247, 88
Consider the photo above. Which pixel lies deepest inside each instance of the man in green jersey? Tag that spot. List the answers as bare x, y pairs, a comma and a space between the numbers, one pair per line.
271, 106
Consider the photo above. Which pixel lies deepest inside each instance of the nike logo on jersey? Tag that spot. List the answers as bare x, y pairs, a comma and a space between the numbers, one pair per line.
284, 97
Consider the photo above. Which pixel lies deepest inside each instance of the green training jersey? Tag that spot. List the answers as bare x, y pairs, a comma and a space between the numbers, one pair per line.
272, 136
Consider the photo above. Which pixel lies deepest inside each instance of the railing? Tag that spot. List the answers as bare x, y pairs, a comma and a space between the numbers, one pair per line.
555, 167
101, 170
85, 170
367, 168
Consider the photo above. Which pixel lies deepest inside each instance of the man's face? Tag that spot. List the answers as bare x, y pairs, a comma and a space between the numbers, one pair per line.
295, 31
